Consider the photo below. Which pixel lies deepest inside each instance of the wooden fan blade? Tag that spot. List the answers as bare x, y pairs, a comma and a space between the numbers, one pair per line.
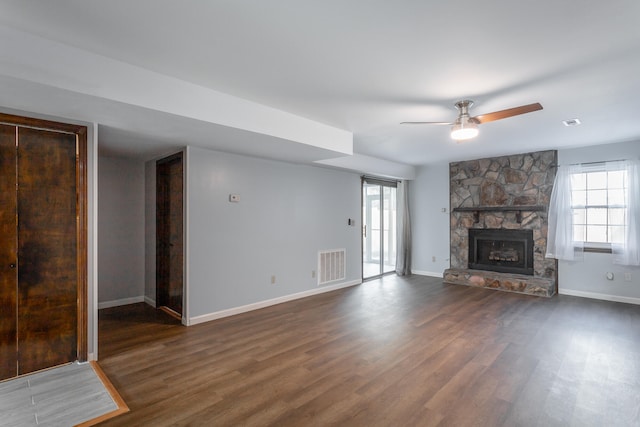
510, 112
426, 123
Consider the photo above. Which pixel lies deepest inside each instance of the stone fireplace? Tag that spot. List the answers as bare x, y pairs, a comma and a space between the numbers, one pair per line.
499, 223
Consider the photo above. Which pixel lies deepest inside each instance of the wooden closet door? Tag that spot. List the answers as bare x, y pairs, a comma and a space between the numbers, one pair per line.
8, 243
47, 249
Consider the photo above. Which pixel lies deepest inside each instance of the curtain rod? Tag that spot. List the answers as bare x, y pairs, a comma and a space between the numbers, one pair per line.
375, 178
598, 162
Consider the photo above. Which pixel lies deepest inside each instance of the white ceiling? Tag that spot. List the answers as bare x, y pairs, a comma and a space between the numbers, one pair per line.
364, 66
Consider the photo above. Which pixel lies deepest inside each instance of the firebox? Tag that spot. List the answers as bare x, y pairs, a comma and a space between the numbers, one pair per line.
501, 250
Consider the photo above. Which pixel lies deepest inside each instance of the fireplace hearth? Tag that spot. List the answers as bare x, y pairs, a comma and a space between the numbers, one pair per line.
501, 250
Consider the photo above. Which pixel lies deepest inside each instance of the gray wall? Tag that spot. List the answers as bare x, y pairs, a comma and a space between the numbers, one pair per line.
286, 214
429, 194
120, 230
588, 277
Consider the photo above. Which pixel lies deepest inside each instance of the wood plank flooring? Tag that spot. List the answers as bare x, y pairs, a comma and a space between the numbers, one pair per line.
390, 352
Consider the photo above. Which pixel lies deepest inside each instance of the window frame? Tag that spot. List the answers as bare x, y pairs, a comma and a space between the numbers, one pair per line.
594, 246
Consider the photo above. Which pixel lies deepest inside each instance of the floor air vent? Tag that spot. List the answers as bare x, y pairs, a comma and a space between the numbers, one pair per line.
331, 266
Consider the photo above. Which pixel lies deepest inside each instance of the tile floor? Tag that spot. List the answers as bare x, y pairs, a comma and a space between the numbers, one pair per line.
63, 396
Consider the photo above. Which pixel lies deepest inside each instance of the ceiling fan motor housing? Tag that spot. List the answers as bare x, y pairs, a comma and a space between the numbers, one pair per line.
464, 127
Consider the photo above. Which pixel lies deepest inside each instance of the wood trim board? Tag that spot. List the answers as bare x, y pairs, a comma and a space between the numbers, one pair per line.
117, 399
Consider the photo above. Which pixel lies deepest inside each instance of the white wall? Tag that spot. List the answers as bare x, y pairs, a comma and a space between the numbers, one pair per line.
286, 214
121, 221
588, 277
429, 194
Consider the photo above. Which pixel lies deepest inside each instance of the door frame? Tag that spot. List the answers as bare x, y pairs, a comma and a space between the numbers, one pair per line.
382, 183
82, 230
181, 155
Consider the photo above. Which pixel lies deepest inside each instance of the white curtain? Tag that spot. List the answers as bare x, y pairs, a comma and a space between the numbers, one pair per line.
560, 241
628, 252
403, 229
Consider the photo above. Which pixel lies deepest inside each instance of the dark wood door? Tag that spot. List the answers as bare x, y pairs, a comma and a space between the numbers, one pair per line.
47, 249
41, 227
8, 254
169, 233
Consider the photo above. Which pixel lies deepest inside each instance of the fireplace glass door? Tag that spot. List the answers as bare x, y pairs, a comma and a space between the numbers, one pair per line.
501, 250
379, 227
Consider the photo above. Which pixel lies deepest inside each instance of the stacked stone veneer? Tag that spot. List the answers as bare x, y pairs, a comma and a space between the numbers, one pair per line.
519, 180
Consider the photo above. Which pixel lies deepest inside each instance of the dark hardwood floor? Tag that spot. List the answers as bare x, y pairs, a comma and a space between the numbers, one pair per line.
391, 352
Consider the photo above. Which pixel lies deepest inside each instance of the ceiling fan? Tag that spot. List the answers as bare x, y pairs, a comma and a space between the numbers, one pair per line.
466, 127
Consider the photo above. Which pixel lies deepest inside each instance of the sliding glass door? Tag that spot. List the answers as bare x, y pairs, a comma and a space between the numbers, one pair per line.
378, 227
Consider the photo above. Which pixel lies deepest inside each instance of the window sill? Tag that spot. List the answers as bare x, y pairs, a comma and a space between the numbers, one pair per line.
597, 250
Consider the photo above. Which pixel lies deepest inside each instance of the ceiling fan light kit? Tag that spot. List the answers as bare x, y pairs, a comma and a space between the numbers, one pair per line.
464, 129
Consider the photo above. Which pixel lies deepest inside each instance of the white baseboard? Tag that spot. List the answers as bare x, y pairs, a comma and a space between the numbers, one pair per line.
150, 301
119, 302
595, 295
262, 304
426, 273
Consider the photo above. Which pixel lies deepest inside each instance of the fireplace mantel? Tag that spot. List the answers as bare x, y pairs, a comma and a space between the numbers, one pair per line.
517, 209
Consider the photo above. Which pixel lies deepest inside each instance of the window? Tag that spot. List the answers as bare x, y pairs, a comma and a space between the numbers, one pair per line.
598, 203
596, 206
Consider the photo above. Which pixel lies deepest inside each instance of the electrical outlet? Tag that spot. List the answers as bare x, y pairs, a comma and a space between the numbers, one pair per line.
273, 280
433, 258
627, 277
313, 274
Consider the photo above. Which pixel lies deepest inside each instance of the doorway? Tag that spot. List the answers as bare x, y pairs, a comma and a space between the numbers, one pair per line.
169, 235
378, 227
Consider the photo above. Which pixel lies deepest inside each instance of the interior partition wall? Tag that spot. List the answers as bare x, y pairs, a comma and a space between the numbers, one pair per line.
378, 227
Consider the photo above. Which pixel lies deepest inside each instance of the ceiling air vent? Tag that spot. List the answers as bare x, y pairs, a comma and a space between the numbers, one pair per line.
571, 122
